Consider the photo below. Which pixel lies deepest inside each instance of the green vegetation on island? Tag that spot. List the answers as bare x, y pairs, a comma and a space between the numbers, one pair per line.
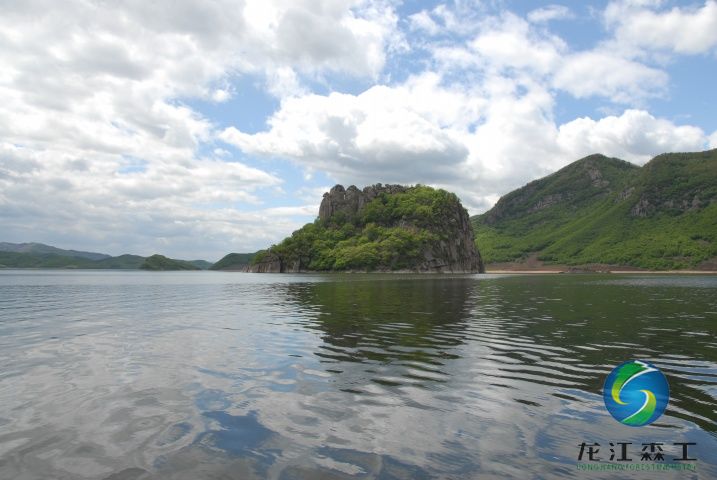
379, 228
160, 262
605, 211
233, 261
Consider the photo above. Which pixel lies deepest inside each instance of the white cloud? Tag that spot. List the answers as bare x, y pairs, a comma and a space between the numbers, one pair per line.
90, 203
713, 140
511, 46
301, 211
101, 149
549, 13
635, 135
680, 29
602, 73
97, 139
512, 43
383, 132
283, 82
480, 143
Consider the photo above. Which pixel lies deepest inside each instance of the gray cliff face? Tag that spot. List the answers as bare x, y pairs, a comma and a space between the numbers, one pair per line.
458, 254
455, 253
351, 200
274, 264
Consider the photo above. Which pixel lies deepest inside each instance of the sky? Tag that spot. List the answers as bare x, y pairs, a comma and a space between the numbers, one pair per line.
195, 129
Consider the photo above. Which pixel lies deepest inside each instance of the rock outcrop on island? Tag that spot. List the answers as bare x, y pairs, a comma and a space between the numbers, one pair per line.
379, 228
351, 201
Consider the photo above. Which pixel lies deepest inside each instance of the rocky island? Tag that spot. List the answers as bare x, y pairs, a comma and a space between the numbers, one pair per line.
380, 228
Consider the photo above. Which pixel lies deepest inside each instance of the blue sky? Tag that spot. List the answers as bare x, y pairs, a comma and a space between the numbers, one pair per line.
195, 129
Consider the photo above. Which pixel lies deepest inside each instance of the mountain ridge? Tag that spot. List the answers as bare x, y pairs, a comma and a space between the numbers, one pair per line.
41, 248
605, 211
40, 255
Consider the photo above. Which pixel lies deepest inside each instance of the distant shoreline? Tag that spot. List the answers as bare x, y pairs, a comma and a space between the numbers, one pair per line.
619, 272
506, 268
574, 270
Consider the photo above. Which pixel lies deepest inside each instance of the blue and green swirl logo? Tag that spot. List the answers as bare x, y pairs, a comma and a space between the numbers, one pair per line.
636, 393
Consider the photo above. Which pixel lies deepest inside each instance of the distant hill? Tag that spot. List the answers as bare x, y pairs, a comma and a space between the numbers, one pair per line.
123, 261
233, 261
38, 255
52, 260
201, 264
160, 262
41, 248
601, 210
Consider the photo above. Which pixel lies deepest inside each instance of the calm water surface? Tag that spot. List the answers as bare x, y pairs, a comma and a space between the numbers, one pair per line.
193, 375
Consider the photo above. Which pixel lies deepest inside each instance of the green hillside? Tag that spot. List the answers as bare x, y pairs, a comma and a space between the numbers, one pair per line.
121, 262
39, 260
125, 261
602, 210
233, 261
201, 264
160, 262
41, 248
52, 260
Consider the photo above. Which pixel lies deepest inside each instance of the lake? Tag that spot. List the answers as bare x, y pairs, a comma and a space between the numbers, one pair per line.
192, 375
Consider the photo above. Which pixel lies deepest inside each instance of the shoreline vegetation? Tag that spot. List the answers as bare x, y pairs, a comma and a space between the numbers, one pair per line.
588, 269
489, 270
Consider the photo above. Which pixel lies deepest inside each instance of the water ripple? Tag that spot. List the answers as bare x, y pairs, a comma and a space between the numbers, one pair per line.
136, 375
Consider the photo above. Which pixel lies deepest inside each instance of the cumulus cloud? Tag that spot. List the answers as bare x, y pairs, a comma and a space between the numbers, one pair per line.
480, 143
97, 202
635, 135
96, 135
102, 149
385, 132
685, 30
512, 43
602, 73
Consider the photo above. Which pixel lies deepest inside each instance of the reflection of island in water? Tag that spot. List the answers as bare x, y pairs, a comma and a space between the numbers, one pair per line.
398, 330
